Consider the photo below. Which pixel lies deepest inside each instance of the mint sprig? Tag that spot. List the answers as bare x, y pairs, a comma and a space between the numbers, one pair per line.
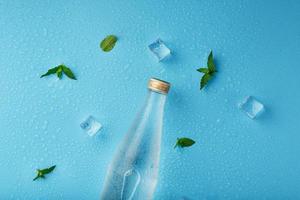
59, 71
209, 71
184, 142
108, 43
42, 172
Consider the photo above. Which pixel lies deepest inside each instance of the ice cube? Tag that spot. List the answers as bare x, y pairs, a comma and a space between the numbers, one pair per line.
252, 107
91, 125
160, 49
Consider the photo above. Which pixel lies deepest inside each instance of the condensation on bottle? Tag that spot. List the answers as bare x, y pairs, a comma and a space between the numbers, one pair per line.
133, 172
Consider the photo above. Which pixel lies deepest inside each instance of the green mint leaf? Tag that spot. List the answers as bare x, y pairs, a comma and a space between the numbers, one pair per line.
41, 172
204, 80
59, 72
47, 170
184, 142
67, 71
209, 72
203, 70
50, 71
210, 63
108, 43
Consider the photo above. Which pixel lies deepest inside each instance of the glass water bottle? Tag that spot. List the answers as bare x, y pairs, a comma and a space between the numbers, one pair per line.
133, 173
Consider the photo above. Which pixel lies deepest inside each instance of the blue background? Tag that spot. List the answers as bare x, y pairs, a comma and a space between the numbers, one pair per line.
257, 49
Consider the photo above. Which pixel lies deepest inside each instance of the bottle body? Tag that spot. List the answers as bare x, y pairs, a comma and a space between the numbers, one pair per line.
133, 172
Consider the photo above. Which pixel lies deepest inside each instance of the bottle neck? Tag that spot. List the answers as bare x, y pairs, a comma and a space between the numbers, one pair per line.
156, 100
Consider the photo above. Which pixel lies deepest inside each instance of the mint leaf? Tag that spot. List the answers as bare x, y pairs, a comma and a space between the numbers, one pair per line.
204, 80
108, 43
203, 70
41, 172
48, 170
59, 70
210, 63
209, 72
50, 71
184, 142
59, 73
67, 71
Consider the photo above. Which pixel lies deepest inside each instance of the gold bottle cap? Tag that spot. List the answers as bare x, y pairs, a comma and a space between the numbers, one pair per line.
159, 85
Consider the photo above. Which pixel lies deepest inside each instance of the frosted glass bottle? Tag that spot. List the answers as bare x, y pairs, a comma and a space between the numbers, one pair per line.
133, 173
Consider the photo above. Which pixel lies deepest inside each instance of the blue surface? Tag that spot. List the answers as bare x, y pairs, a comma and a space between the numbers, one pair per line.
257, 49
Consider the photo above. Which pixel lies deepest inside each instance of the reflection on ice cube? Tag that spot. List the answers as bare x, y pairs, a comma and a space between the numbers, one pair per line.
160, 49
91, 125
131, 181
252, 107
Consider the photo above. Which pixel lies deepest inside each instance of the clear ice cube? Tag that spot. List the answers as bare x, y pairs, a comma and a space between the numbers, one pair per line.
252, 107
160, 49
91, 125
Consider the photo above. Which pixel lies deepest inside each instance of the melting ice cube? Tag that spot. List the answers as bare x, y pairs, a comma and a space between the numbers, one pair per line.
252, 107
160, 49
91, 125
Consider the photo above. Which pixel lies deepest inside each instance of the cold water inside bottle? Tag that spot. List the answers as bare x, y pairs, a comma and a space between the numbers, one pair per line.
133, 173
